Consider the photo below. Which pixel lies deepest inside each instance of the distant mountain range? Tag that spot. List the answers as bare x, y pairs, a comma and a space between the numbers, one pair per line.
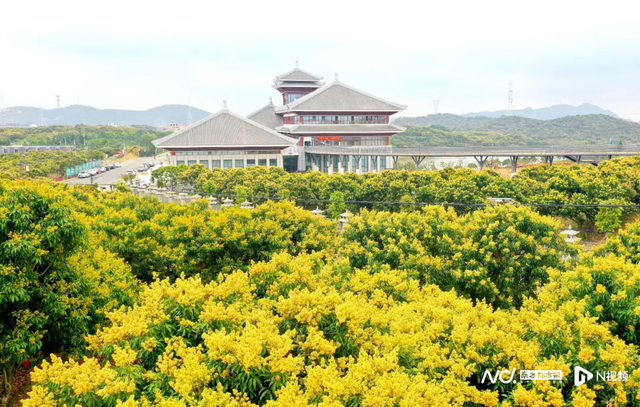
73, 115
449, 129
548, 113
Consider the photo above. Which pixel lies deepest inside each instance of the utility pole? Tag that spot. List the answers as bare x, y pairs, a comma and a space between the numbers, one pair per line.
58, 100
435, 106
510, 101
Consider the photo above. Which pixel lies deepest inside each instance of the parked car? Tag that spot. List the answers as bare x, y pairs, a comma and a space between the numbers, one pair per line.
111, 166
131, 172
142, 168
93, 171
104, 169
150, 164
117, 165
83, 174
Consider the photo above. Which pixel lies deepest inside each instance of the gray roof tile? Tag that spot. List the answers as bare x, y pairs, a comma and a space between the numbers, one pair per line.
267, 116
337, 96
225, 129
297, 74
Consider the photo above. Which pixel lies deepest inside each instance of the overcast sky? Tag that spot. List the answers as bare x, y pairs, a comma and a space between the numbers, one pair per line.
141, 54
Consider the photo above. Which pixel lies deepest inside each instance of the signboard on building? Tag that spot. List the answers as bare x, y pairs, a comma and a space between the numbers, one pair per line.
329, 138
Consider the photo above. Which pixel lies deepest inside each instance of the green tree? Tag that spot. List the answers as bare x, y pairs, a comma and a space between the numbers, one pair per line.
43, 301
337, 205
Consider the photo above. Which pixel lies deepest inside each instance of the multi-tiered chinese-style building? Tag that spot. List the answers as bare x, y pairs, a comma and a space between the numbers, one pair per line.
314, 115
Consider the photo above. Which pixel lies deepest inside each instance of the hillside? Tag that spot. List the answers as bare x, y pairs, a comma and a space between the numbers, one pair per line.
587, 129
108, 139
548, 113
73, 115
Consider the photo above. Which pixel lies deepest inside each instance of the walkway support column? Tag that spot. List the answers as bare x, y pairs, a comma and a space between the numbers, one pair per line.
357, 169
344, 163
514, 164
481, 160
330, 165
314, 162
374, 163
417, 160
395, 161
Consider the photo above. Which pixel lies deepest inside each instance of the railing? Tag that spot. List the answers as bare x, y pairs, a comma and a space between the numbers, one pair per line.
607, 149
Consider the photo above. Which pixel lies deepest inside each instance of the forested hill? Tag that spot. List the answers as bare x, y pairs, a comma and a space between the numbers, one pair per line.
108, 139
587, 129
160, 116
548, 113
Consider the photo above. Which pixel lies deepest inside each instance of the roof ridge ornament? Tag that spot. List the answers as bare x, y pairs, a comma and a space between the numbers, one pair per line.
335, 77
297, 64
270, 101
224, 105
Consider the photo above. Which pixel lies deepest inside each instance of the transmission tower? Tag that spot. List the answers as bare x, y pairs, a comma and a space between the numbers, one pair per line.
510, 102
435, 106
58, 100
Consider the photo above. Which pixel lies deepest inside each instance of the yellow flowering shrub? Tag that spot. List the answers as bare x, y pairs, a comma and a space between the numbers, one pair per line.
310, 329
499, 254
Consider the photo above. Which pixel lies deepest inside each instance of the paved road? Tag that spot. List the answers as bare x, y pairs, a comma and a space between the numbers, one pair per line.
111, 176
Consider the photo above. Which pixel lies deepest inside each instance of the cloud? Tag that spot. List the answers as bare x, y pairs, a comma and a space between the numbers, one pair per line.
139, 54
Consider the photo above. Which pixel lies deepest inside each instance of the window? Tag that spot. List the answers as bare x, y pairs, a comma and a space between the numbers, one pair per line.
239, 163
293, 96
262, 162
343, 119
228, 164
191, 162
262, 152
251, 163
215, 164
383, 163
179, 162
307, 143
364, 161
205, 163
273, 162
336, 163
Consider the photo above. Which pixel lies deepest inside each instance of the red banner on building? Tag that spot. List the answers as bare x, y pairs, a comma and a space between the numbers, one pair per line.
326, 138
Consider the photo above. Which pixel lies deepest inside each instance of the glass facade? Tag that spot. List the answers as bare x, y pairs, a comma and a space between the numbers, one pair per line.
205, 163
191, 162
293, 96
239, 163
251, 163
262, 162
228, 164
341, 119
352, 141
215, 164
273, 162
225, 152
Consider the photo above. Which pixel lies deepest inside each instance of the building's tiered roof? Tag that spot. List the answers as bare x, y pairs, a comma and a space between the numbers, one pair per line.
267, 116
338, 97
341, 129
227, 130
297, 78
